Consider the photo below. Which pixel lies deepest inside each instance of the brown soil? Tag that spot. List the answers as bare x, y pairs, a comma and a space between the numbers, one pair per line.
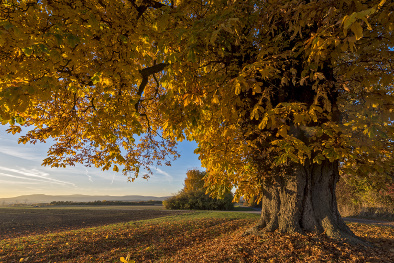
23, 222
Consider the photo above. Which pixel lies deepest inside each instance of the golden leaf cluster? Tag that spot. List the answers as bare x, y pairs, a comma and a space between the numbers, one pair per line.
258, 84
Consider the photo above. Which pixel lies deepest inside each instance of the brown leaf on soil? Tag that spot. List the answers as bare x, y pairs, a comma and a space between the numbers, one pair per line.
188, 239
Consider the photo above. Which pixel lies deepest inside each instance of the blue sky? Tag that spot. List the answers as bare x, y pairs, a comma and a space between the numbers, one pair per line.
21, 173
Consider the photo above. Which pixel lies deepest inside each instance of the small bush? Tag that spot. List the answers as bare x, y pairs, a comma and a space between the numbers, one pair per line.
198, 200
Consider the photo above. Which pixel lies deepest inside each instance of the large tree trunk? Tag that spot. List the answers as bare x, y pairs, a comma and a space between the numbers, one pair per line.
304, 201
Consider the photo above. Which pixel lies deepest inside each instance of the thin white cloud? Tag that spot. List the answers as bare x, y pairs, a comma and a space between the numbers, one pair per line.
167, 175
34, 171
32, 174
26, 154
21, 177
87, 174
52, 181
18, 182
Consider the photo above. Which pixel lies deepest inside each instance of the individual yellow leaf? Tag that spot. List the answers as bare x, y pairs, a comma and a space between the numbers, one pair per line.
238, 87
282, 131
318, 75
215, 99
357, 30
115, 169
349, 20
263, 122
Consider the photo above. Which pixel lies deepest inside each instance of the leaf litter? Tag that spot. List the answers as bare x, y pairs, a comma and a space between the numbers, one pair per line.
206, 237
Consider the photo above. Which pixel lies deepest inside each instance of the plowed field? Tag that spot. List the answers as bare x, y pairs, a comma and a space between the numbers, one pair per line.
15, 222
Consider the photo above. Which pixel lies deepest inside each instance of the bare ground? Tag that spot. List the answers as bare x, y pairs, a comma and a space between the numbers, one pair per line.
23, 222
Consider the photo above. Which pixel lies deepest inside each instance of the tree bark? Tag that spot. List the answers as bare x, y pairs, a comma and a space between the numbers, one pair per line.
304, 201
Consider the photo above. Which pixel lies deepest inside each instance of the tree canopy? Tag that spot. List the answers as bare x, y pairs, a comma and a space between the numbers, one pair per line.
194, 195
257, 84
194, 180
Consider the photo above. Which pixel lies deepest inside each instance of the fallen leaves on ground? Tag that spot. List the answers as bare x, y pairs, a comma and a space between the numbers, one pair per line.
277, 247
195, 239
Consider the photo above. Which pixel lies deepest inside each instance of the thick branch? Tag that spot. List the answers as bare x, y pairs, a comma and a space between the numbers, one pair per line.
154, 4
145, 5
145, 73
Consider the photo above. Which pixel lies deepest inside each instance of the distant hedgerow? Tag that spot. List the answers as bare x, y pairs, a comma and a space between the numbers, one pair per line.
198, 200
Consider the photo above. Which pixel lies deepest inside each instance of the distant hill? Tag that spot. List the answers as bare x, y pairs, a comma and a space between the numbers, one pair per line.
41, 198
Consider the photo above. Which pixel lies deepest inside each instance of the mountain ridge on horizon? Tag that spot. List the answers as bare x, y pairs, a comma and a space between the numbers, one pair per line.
44, 198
